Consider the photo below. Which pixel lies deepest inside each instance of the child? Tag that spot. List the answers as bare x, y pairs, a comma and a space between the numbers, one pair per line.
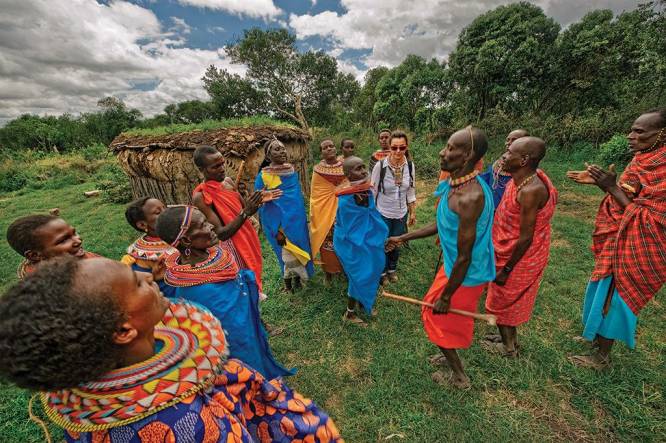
347, 147
148, 252
294, 259
358, 239
40, 237
114, 361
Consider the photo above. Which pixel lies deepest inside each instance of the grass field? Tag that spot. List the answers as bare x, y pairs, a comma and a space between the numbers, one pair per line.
375, 382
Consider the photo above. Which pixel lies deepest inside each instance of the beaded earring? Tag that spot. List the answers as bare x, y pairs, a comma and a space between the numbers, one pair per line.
187, 252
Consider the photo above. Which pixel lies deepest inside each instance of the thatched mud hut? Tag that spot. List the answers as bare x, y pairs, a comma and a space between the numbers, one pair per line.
161, 165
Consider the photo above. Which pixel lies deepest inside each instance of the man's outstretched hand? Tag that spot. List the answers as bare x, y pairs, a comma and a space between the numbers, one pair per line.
582, 177
604, 179
392, 243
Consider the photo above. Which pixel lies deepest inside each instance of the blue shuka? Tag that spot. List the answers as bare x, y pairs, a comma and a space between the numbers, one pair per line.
286, 213
236, 304
358, 241
498, 187
482, 267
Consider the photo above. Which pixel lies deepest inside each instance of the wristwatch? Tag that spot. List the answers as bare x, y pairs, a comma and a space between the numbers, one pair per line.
243, 214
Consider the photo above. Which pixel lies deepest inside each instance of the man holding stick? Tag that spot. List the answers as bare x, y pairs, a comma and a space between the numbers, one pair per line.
464, 225
628, 241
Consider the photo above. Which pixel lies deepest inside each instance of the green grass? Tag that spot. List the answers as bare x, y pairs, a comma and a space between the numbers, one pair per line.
209, 125
375, 382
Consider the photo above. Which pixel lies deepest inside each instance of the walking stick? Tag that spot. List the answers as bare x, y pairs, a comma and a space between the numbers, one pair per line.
241, 167
488, 318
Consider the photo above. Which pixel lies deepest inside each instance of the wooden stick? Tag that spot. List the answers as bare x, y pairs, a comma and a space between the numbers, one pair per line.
488, 318
240, 173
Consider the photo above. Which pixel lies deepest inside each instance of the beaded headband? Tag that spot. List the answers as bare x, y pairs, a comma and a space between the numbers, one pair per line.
185, 224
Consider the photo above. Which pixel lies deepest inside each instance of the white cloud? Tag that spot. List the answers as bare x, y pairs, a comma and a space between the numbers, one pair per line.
63, 55
251, 8
392, 29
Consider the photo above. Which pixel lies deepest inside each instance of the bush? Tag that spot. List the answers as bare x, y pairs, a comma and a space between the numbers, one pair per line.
614, 151
12, 179
114, 184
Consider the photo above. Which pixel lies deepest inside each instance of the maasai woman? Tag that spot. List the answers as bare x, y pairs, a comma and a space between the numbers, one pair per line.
359, 239
327, 175
41, 237
116, 374
148, 252
286, 214
205, 273
384, 138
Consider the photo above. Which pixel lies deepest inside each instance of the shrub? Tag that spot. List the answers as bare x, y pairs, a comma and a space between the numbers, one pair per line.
614, 151
12, 179
114, 184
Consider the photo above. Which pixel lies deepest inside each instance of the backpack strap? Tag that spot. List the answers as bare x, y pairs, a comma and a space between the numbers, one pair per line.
410, 166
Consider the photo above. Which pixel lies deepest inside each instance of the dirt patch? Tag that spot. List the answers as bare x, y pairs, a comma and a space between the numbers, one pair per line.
560, 243
578, 205
424, 189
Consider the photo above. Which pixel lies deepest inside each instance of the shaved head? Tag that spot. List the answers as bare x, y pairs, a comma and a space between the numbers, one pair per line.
349, 164
515, 135
532, 146
471, 138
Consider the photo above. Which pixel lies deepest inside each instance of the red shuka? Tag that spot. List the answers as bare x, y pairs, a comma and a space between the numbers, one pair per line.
228, 205
630, 243
451, 331
513, 302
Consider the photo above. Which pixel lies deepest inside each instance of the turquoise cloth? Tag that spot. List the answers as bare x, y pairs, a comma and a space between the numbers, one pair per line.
358, 241
286, 213
619, 323
482, 268
236, 304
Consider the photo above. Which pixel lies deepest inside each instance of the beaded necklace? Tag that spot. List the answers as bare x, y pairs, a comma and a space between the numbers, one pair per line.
457, 183
525, 182
218, 267
283, 169
397, 171
354, 187
149, 248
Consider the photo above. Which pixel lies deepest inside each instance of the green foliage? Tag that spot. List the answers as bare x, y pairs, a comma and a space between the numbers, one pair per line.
207, 125
615, 151
12, 178
114, 184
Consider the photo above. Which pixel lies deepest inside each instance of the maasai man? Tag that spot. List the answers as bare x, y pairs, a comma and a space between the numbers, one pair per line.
347, 147
326, 176
495, 176
628, 240
521, 238
384, 150
227, 210
205, 273
41, 237
286, 214
358, 239
148, 252
115, 375
464, 224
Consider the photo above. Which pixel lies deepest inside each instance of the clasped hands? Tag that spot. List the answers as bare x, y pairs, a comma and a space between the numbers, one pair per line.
392, 243
594, 175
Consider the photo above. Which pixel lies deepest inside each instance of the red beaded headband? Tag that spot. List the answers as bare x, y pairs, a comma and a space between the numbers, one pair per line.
184, 225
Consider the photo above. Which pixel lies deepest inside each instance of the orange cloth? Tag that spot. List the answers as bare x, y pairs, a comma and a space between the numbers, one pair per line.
323, 205
451, 331
228, 205
513, 302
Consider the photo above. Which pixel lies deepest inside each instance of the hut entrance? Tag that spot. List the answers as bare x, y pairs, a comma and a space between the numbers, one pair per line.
161, 166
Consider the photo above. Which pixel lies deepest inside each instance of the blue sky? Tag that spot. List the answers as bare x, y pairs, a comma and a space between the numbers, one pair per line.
61, 56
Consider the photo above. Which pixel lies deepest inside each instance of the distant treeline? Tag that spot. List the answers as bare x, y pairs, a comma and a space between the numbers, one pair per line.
512, 66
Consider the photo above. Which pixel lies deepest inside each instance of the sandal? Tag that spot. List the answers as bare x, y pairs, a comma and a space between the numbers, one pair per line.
438, 360
449, 380
498, 348
493, 337
593, 361
353, 320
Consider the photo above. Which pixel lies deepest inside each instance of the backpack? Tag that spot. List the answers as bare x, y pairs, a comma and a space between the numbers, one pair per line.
382, 173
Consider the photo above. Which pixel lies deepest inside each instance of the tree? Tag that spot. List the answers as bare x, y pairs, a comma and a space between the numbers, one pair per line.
366, 98
113, 119
412, 94
293, 83
232, 96
504, 56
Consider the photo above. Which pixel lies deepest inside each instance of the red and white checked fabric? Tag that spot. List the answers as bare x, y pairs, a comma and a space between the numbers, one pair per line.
513, 302
631, 243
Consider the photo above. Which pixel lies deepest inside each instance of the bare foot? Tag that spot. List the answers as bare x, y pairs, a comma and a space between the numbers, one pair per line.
594, 361
449, 379
498, 348
393, 277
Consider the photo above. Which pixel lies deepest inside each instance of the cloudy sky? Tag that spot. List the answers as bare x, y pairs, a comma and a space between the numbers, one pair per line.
63, 55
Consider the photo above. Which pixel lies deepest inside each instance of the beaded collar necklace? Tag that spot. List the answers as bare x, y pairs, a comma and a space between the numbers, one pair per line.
283, 169
218, 267
460, 182
149, 248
